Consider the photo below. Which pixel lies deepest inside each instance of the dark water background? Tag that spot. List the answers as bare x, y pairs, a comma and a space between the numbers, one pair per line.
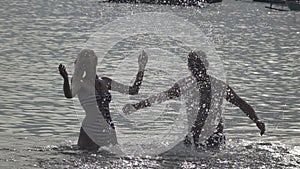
259, 49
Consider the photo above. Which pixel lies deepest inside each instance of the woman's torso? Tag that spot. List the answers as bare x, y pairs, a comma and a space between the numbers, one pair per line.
97, 122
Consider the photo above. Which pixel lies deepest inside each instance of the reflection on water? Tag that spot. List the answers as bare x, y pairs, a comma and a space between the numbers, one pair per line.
259, 48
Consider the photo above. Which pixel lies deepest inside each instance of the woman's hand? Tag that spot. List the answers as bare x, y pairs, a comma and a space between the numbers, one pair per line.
142, 60
261, 127
128, 109
63, 72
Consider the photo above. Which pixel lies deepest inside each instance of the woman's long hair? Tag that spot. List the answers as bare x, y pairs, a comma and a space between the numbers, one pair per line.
85, 69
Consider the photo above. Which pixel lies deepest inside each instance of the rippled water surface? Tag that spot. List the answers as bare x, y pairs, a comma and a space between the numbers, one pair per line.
39, 128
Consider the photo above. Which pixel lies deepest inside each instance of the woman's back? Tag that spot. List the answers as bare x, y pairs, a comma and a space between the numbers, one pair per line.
94, 124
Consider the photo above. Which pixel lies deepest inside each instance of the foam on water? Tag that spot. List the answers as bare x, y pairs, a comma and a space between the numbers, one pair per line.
236, 154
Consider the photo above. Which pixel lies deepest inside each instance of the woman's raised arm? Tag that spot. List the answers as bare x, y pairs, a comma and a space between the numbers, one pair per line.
134, 89
66, 87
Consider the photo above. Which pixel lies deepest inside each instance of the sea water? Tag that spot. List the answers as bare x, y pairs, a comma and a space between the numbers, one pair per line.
39, 127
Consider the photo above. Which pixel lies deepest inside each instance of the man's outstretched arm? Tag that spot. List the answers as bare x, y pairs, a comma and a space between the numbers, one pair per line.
233, 98
172, 93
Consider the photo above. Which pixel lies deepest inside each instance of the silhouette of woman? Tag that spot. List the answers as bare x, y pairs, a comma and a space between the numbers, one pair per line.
202, 105
93, 93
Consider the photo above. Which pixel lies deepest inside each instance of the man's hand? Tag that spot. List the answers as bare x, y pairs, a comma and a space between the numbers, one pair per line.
261, 127
128, 109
